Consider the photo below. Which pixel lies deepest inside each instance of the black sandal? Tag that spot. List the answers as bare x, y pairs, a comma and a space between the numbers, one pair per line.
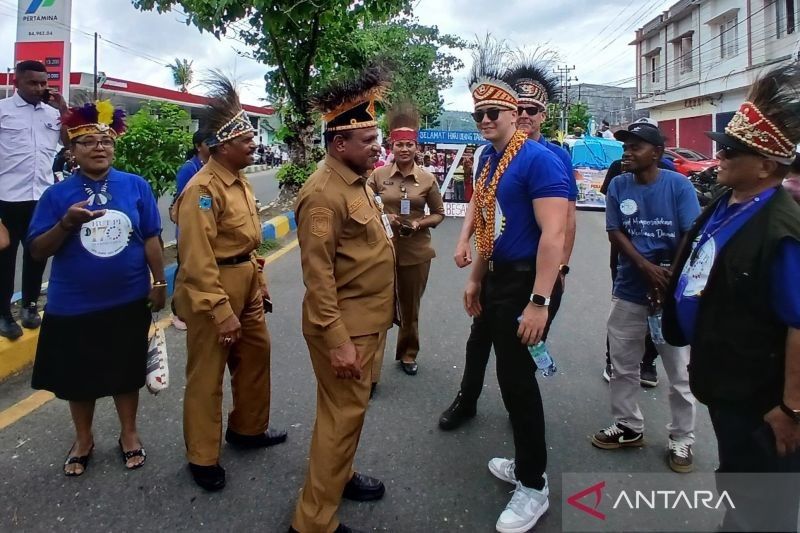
82, 460
127, 456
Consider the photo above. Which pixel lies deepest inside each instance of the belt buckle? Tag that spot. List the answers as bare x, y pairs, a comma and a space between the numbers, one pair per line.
491, 266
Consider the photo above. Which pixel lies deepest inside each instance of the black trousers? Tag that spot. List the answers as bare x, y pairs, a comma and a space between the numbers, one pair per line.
504, 299
17, 217
746, 445
479, 344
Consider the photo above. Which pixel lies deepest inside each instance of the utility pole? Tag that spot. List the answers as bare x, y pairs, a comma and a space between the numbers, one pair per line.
565, 79
95, 66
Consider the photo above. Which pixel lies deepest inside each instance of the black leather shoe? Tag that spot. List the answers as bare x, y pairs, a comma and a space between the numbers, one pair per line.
271, 437
372, 390
459, 412
211, 478
29, 316
409, 368
363, 488
9, 328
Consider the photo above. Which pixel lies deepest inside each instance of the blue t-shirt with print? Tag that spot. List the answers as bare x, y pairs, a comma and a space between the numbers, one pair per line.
566, 160
653, 217
186, 173
101, 265
721, 227
535, 172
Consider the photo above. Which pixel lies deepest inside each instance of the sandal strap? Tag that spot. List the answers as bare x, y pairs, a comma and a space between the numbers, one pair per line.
81, 460
134, 453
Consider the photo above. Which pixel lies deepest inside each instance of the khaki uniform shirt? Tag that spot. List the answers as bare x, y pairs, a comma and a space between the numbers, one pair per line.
218, 219
347, 258
421, 189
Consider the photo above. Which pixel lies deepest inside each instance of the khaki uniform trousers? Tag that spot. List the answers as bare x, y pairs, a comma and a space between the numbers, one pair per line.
248, 362
411, 283
341, 407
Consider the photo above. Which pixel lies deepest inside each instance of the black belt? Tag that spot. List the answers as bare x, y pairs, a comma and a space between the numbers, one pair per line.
502, 267
239, 259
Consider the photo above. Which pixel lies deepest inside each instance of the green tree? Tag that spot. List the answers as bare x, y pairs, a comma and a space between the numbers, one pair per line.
302, 40
182, 73
579, 117
155, 145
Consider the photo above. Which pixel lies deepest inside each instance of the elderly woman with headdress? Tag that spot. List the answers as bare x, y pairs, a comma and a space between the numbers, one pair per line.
102, 228
406, 190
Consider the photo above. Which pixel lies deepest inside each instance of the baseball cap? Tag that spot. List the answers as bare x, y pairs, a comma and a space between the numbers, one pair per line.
646, 120
642, 131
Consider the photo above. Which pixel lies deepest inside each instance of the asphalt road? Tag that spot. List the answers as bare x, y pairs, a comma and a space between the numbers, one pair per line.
436, 481
264, 186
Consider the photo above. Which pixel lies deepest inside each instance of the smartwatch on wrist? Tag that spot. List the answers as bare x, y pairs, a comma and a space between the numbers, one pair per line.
794, 414
539, 300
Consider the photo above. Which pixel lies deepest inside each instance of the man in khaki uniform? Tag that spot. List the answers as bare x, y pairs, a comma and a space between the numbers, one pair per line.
220, 292
348, 269
406, 190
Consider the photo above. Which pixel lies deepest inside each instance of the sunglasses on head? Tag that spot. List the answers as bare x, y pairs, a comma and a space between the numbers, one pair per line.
530, 111
491, 113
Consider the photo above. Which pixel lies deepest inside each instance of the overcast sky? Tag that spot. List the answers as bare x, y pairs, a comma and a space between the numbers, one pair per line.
592, 35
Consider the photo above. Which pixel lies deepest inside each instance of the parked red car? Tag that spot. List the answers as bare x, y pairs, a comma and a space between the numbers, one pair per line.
687, 161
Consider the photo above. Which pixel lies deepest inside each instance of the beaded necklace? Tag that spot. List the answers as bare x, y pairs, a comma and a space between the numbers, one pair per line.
485, 196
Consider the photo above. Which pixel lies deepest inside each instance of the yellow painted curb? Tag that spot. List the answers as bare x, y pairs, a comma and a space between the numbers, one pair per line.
281, 224
17, 355
24, 408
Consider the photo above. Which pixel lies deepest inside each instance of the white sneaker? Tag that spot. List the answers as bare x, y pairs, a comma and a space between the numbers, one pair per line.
524, 510
503, 469
178, 324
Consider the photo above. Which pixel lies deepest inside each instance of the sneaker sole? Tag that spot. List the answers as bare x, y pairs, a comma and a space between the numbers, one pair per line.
529, 525
648, 384
616, 445
501, 475
606, 377
680, 469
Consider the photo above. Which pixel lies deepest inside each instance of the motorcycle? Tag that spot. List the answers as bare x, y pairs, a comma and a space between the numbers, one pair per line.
706, 186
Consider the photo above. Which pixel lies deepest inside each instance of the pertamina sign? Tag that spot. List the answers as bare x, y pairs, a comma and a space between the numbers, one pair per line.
43, 34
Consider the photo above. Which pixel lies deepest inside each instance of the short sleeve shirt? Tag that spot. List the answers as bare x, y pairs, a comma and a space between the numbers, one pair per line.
566, 160
103, 264
535, 172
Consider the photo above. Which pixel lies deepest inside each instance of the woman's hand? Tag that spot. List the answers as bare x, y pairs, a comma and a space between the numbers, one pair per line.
158, 297
77, 215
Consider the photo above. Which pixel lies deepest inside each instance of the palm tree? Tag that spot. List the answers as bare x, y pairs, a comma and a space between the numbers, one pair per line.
182, 73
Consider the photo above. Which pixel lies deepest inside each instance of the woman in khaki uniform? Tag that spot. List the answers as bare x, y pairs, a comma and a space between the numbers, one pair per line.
406, 190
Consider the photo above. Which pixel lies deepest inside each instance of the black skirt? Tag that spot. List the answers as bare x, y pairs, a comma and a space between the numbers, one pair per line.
89, 356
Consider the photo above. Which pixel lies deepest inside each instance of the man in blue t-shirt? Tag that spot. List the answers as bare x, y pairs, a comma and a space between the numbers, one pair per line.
520, 202
647, 212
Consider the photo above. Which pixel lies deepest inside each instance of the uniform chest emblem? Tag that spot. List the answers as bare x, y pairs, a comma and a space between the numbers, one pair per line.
204, 203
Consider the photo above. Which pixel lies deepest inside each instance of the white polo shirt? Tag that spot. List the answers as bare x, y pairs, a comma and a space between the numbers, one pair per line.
28, 141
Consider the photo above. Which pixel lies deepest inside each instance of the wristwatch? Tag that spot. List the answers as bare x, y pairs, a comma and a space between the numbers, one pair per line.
794, 414
539, 300
563, 269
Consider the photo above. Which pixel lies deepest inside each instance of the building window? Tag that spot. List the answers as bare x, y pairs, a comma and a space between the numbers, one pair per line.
685, 54
784, 18
728, 37
654, 75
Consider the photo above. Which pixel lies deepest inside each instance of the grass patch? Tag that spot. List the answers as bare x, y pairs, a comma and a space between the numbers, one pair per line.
268, 246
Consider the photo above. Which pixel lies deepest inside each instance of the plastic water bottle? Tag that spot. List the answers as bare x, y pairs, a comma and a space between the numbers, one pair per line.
543, 359
654, 323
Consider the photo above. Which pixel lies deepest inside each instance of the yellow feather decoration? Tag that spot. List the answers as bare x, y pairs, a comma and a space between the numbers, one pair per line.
105, 111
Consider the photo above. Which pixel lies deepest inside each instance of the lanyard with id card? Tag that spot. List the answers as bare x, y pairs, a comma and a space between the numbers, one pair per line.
385, 219
405, 203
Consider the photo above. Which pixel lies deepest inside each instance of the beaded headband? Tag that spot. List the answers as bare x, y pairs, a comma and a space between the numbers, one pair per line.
491, 91
236, 127
750, 127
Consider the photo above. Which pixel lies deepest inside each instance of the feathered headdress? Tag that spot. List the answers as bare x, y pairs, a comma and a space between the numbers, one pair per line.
534, 83
768, 123
486, 79
99, 117
350, 104
403, 119
225, 117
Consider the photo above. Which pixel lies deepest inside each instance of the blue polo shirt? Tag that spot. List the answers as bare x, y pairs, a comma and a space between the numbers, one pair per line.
653, 217
715, 234
186, 173
102, 265
535, 172
566, 160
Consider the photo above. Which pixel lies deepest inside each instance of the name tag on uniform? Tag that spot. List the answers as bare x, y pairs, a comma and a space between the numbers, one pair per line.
405, 206
387, 226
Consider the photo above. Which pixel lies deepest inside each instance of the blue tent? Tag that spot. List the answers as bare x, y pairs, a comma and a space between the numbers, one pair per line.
594, 152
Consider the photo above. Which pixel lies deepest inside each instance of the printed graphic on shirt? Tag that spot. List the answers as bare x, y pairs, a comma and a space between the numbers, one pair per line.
628, 207
108, 235
655, 228
696, 270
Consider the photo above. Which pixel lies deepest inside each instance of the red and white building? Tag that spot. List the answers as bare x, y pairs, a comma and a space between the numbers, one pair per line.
697, 60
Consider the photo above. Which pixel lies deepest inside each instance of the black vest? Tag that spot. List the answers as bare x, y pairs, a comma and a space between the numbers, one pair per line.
738, 352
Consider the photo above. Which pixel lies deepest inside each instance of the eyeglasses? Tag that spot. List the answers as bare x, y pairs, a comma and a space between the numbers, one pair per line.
530, 111
105, 143
731, 153
493, 113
